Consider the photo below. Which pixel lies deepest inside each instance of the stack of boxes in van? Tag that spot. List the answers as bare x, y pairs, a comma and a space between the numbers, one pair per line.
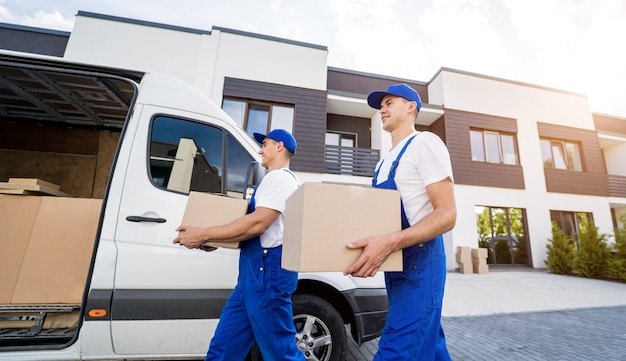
46, 245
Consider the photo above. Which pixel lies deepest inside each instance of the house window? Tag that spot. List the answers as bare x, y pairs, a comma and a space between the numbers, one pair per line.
561, 154
341, 139
259, 117
493, 147
572, 222
502, 231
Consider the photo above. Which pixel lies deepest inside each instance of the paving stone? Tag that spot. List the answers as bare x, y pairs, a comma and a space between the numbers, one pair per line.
581, 334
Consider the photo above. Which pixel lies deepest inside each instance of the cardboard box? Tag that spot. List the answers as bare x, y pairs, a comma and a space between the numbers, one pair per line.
208, 209
55, 265
466, 268
463, 250
480, 252
17, 216
479, 261
463, 258
480, 268
35, 181
46, 244
321, 219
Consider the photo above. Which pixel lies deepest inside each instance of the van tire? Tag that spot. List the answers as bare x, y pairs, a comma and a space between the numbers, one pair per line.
327, 323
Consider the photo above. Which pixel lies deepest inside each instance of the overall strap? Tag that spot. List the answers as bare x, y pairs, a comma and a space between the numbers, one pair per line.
394, 165
290, 172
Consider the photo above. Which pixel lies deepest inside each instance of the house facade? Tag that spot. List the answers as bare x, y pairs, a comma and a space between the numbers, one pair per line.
523, 155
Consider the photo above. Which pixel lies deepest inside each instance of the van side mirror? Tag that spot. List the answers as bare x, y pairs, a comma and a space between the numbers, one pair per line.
256, 172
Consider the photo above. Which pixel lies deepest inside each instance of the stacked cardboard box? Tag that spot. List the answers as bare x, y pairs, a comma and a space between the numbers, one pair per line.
46, 245
479, 260
464, 259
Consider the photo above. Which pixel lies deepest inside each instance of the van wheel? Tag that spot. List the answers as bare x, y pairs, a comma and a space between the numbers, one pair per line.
320, 332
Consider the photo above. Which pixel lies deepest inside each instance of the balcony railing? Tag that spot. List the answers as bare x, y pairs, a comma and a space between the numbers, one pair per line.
351, 161
617, 185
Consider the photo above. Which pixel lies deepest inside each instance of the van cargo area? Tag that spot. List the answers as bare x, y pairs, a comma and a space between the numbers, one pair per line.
58, 136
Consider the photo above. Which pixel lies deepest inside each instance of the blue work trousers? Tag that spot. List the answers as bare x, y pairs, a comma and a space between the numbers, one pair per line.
413, 328
259, 308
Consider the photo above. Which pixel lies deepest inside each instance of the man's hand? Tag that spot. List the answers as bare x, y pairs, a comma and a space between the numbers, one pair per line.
190, 236
375, 251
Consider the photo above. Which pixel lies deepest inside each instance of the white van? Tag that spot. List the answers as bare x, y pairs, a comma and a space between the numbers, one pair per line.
96, 165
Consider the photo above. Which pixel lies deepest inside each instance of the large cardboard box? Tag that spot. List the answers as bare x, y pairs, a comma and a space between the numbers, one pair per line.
17, 216
46, 244
321, 219
208, 209
56, 263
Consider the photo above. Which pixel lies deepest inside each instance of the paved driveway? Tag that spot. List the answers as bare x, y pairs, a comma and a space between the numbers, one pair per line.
529, 316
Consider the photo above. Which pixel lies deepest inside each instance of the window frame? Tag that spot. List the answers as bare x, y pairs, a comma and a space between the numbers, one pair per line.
354, 137
250, 103
575, 165
574, 219
486, 147
228, 170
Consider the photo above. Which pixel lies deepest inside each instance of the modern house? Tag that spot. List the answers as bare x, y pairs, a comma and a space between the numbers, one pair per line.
522, 155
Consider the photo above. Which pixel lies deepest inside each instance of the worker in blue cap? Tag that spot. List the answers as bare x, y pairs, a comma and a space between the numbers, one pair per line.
259, 308
418, 166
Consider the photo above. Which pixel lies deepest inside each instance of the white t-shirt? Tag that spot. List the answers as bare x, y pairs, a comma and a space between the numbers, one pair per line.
272, 193
425, 161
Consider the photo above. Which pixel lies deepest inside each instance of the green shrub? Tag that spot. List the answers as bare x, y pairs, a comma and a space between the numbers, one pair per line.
561, 252
616, 265
616, 268
593, 255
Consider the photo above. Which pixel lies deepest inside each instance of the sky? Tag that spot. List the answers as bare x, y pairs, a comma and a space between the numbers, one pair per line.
573, 45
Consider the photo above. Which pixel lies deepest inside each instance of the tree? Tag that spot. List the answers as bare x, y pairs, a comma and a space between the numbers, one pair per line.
561, 252
616, 265
591, 259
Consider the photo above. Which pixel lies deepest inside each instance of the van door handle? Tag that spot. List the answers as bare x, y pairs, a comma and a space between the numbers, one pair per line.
145, 219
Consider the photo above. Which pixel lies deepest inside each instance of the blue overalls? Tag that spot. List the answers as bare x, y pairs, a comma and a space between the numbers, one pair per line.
413, 328
259, 308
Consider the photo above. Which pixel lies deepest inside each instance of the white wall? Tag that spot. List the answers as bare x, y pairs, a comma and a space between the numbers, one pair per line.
133, 46
615, 159
269, 61
203, 60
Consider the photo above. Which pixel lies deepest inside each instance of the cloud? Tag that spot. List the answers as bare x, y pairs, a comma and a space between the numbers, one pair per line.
375, 37
39, 19
461, 34
49, 20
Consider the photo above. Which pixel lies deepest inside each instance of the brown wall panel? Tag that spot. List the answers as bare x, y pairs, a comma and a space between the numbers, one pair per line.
566, 181
466, 171
609, 124
359, 126
360, 83
592, 180
309, 114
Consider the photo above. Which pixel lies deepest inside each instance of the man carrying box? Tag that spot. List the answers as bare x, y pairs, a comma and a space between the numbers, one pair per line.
418, 165
259, 308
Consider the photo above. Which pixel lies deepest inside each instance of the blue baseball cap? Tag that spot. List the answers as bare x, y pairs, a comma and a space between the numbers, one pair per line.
399, 90
279, 135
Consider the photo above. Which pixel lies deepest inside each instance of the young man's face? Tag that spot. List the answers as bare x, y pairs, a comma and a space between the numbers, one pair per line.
269, 151
394, 111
